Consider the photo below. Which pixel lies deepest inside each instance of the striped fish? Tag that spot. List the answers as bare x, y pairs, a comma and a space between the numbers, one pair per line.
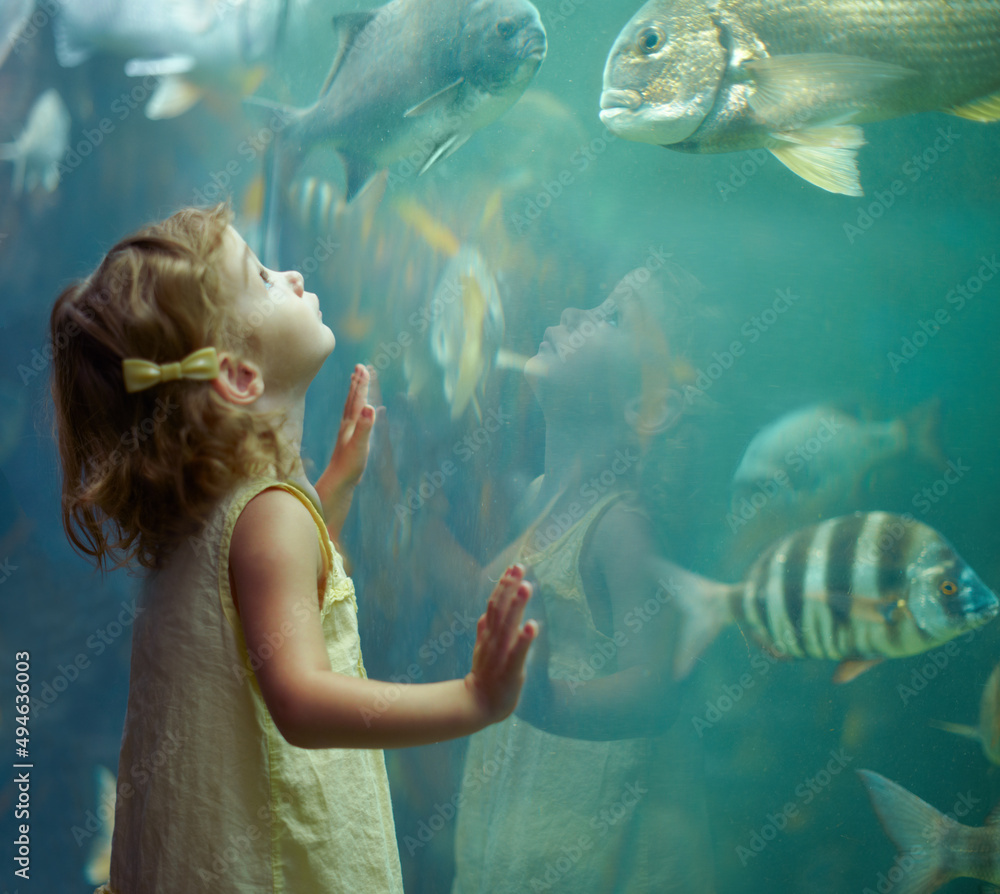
855, 589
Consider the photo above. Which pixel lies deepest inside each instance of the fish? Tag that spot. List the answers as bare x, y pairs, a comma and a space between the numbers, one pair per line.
855, 589
987, 733
934, 848
814, 462
191, 45
798, 79
14, 15
36, 153
412, 79
465, 332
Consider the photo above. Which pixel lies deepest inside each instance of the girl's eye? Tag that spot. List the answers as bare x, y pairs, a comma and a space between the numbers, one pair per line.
267, 282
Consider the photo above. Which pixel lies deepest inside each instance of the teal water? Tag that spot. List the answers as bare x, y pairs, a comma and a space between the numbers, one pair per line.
579, 209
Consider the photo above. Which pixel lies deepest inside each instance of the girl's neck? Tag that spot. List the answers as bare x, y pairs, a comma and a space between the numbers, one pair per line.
574, 455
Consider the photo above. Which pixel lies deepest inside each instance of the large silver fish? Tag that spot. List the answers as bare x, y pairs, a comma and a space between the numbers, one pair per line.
798, 78
42, 144
188, 44
413, 79
854, 589
933, 847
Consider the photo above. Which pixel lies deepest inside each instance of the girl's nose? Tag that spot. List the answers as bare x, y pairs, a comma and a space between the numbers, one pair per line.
297, 281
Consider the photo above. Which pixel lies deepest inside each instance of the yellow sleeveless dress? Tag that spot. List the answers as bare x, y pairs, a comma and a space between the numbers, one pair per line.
210, 795
539, 812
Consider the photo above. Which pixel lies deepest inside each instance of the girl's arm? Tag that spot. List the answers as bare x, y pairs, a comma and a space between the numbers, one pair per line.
335, 486
642, 697
275, 561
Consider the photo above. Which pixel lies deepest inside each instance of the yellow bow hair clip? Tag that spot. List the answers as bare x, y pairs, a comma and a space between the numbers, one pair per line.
141, 374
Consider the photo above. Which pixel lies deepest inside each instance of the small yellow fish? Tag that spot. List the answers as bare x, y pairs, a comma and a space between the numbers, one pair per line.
987, 733
435, 233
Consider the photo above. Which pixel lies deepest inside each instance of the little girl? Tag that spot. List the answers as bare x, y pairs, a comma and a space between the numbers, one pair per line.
593, 787
249, 758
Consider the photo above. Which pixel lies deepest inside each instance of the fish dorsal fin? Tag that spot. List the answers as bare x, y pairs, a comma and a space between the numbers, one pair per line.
825, 156
850, 669
987, 108
346, 26
787, 85
358, 171
440, 100
173, 97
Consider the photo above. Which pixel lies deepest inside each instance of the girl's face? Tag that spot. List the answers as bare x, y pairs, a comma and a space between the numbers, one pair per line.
282, 322
591, 357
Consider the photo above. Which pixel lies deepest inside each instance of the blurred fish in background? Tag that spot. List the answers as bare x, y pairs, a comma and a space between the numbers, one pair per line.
987, 732
465, 324
798, 79
42, 144
816, 462
98, 868
192, 46
411, 79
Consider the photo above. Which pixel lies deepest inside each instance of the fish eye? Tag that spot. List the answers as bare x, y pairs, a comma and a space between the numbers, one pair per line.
948, 588
506, 28
650, 39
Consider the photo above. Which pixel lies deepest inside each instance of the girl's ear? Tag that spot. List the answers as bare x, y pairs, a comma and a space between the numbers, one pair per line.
239, 381
648, 418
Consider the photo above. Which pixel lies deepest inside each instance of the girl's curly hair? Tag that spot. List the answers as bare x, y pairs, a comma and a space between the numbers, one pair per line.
140, 471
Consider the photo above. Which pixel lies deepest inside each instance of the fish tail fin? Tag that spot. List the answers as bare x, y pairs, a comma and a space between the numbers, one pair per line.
959, 729
923, 432
917, 829
705, 611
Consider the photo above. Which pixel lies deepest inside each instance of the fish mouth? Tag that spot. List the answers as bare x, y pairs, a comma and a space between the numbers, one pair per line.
627, 114
534, 47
